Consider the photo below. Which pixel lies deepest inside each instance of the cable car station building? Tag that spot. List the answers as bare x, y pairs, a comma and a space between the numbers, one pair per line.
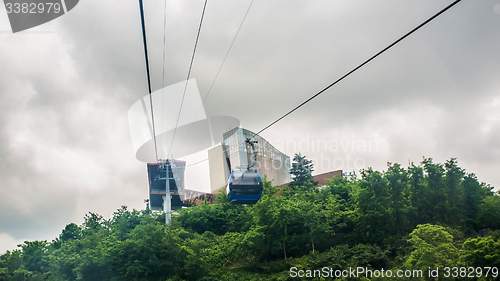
234, 154
158, 173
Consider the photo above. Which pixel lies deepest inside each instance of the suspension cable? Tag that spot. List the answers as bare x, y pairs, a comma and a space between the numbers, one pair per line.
341, 78
189, 73
148, 74
359, 66
217, 75
163, 71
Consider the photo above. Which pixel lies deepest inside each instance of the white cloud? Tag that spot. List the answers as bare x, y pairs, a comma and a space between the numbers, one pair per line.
8, 243
496, 9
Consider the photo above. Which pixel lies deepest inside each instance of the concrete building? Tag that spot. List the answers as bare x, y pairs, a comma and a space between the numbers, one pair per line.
218, 164
158, 173
234, 154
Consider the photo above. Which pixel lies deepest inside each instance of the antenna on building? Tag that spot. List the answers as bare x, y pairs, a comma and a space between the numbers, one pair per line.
350, 175
167, 199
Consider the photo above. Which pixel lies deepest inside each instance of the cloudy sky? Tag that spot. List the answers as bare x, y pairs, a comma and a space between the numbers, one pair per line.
66, 87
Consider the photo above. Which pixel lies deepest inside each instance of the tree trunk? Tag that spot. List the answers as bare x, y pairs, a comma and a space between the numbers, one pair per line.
312, 241
265, 247
284, 249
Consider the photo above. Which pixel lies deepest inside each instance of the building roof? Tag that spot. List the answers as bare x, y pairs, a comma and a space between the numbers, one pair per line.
321, 178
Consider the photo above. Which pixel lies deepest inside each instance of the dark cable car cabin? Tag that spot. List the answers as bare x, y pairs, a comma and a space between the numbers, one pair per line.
245, 187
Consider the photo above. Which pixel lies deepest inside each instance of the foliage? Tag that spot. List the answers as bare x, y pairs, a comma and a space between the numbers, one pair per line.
433, 248
489, 213
302, 173
372, 208
481, 252
415, 217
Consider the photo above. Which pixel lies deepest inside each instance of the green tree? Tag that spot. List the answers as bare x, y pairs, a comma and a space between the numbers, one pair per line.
473, 196
272, 215
372, 207
420, 210
71, 231
33, 254
205, 218
489, 213
342, 187
481, 252
433, 247
398, 188
262, 216
453, 178
436, 192
302, 173
65, 259
123, 221
9, 263
149, 251
366, 255
351, 222
93, 223
282, 218
217, 218
328, 220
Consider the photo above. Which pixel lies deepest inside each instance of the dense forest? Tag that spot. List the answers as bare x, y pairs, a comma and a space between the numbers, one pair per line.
431, 217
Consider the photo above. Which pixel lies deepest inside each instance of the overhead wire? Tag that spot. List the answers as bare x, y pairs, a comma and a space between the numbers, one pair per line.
141, 8
220, 68
163, 68
228, 51
359, 66
341, 78
189, 73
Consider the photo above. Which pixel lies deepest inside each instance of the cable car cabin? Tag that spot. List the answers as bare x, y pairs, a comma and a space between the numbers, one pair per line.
244, 187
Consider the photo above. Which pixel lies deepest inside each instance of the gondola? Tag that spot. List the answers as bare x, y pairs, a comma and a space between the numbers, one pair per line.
245, 186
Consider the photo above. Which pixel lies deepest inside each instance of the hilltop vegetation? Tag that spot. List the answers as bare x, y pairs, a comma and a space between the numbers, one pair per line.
425, 216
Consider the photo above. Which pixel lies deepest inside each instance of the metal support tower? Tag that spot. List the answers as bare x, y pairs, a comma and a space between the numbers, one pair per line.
167, 199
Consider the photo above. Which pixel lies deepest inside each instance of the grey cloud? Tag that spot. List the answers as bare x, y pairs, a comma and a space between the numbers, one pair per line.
64, 140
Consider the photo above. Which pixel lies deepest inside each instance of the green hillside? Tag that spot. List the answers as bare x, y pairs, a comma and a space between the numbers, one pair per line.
399, 221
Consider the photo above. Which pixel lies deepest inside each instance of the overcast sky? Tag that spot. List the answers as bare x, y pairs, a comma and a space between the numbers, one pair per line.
66, 87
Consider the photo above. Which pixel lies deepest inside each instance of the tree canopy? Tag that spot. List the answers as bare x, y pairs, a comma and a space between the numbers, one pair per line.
419, 217
301, 172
